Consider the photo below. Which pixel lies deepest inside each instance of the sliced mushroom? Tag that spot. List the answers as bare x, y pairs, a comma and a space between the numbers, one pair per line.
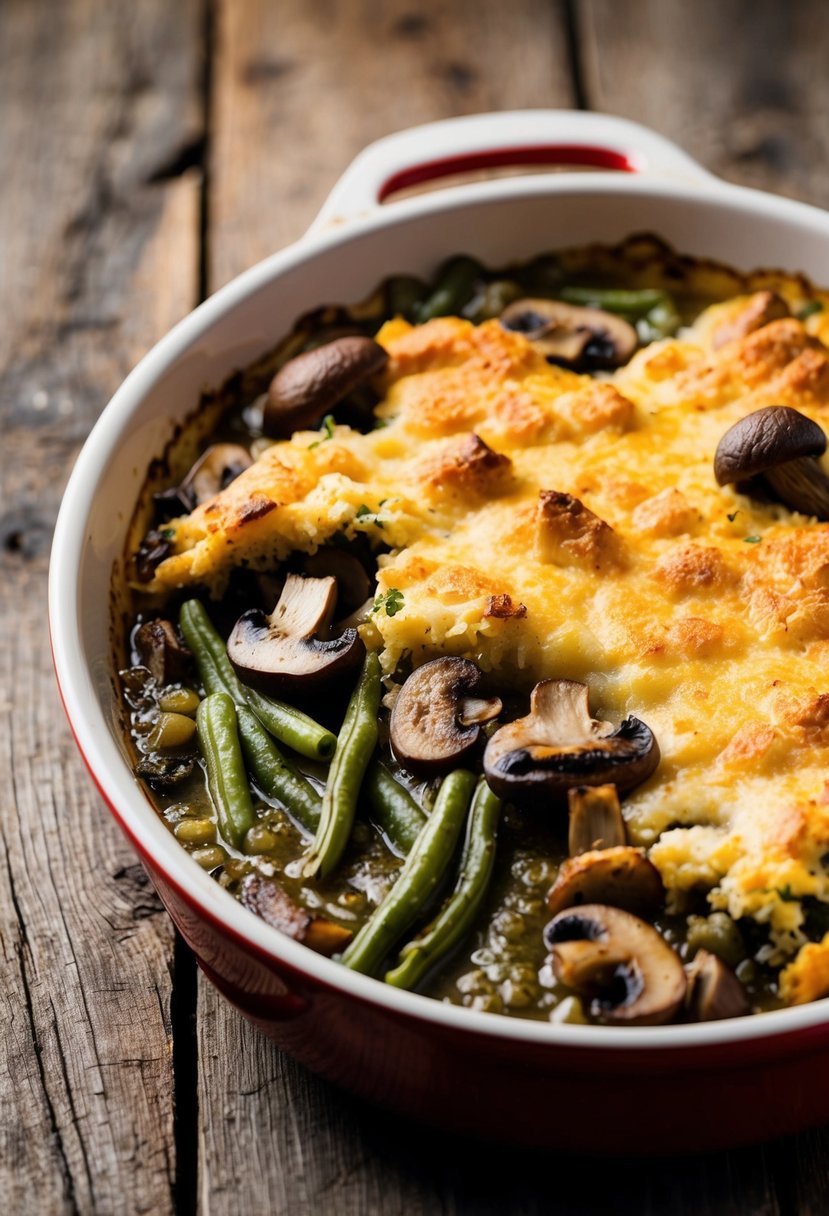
595, 820
621, 877
559, 746
214, 470
779, 447
283, 652
163, 772
353, 583
714, 992
268, 901
627, 970
160, 649
310, 385
437, 717
579, 337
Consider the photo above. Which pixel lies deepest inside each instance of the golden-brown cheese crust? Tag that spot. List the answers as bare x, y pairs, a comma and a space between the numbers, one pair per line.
548, 525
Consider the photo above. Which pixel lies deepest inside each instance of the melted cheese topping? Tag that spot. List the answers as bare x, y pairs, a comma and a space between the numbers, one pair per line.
546, 524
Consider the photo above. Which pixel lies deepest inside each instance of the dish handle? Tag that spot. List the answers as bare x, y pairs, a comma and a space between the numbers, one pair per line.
511, 138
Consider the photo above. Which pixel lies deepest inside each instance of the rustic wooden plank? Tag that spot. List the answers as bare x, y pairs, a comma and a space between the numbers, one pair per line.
300, 88
99, 255
740, 84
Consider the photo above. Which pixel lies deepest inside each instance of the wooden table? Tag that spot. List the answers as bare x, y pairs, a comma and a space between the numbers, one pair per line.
149, 151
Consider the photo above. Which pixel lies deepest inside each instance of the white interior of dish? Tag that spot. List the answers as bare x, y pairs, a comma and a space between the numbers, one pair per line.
499, 222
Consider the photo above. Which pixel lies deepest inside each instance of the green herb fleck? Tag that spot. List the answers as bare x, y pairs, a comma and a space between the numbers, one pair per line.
168, 533
327, 427
391, 602
752, 540
366, 513
786, 894
809, 310
732, 515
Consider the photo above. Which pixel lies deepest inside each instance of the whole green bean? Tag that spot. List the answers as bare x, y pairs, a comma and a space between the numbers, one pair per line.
392, 808
290, 726
456, 917
612, 299
404, 295
274, 775
227, 779
453, 289
355, 747
206, 643
420, 877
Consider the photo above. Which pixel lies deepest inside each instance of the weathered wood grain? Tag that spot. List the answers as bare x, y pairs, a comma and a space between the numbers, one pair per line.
300, 88
740, 84
99, 255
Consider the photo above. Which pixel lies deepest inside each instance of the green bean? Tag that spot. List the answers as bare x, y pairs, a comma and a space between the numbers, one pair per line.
227, 780
612, 299
455, 919
404, 295
355, 747
392, 808
420, 877
274, 775
290, 726
453, 289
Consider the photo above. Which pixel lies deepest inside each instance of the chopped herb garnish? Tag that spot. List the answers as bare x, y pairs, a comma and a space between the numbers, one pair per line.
327, 429
809, 310
752, 540
391, 602
168, 533
786, 894
732, 515
366, 513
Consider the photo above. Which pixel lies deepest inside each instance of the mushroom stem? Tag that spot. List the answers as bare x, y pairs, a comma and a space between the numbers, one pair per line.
595, 819
801, 485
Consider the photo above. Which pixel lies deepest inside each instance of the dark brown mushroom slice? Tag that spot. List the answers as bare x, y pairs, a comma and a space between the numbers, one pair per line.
288, 650
215, 469
310, 385
621, 877
437, 717
714, 992
558, 745
776, 449
164, 772
582, 338
630, 974
153, 550
268, 901
595, 819
353, 583
162, 651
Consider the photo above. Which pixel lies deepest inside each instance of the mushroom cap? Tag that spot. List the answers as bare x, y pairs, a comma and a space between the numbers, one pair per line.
437, 717
630, 973
571, 334
217, 466
558, 745
763, 440
281, 652
714, 992
353, 583
311, 384
620, 877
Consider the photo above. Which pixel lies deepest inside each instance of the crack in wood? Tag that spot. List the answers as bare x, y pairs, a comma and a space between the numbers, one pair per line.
21, 948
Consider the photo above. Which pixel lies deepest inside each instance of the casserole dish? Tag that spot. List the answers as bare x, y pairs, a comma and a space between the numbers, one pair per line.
422, 1057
